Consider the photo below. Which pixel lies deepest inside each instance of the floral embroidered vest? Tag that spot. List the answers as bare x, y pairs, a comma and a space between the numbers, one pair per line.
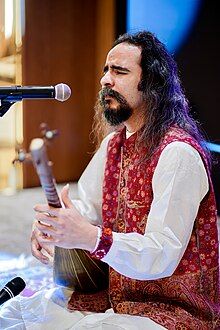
189, 299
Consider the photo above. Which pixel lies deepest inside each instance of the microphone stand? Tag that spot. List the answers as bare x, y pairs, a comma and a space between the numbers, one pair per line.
4, 107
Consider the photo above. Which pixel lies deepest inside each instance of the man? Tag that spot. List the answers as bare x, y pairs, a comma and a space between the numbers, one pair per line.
156, 228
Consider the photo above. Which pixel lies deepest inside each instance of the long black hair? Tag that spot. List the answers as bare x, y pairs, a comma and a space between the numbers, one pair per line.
166, 104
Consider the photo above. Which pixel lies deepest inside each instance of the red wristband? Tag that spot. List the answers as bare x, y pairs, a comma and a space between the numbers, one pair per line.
104, 245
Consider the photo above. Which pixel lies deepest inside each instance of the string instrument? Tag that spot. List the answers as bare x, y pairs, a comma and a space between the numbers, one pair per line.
72, 268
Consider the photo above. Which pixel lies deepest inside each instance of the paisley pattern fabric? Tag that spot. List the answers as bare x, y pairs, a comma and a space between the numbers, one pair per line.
96, 302
104, 245
189, 299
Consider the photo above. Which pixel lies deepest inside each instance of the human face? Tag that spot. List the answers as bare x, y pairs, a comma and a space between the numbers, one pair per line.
122, 74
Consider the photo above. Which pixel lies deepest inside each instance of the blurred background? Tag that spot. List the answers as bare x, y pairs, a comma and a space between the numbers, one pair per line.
46, 42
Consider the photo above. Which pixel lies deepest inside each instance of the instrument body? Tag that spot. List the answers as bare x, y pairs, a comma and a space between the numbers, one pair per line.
73, 268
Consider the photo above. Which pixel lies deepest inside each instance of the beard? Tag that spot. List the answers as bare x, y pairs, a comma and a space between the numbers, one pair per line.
117, 115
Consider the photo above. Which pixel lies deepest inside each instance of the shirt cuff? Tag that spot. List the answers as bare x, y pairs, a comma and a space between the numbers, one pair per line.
103, 243
99, 234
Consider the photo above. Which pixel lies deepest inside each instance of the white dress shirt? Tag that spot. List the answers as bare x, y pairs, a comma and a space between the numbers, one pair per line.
179, 184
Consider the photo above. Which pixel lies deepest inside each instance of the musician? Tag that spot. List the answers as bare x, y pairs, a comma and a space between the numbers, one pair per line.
146, 207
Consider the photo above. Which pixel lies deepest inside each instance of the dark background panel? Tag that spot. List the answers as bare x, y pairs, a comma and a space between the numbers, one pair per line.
199, 69
199, 66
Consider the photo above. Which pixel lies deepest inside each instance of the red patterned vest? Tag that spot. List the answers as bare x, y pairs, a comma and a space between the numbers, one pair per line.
189, 299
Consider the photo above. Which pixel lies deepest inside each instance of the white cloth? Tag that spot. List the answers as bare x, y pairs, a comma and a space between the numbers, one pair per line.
41, 313
179, 184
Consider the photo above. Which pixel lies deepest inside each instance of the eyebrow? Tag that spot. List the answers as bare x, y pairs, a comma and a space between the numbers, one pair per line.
116, 67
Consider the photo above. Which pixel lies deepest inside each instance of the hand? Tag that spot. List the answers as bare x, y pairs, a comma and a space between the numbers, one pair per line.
36, 247
64, 227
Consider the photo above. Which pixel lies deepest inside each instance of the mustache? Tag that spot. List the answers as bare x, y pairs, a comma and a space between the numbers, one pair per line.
106, 91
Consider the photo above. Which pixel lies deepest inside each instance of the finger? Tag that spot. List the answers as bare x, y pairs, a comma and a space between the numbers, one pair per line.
42, 207
47, 240
45, 236
36, 252
49, 250
47, 221
65, 197
46, 231
43, 217
46, 209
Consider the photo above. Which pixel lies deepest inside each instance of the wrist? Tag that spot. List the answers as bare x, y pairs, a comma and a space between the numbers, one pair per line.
93, 237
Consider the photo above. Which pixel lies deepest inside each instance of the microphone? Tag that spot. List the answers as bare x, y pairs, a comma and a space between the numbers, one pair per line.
12, 289
60, 92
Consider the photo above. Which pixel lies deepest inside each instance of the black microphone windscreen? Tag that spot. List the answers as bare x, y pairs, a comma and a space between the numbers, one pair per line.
16, 285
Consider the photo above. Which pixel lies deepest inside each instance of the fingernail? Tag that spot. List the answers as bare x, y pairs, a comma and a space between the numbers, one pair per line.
67, 186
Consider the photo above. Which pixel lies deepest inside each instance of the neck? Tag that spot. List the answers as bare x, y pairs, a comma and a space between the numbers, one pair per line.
134, 123
129, 131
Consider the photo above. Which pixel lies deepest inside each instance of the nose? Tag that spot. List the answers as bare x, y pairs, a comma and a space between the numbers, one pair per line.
107, 80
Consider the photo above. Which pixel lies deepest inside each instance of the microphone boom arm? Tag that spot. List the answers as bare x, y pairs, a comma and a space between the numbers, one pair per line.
4, 107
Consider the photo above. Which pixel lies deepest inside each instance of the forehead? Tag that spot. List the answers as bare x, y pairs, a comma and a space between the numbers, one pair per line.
125, 55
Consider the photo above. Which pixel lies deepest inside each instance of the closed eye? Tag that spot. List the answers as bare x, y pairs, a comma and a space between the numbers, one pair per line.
120, 72
117, 69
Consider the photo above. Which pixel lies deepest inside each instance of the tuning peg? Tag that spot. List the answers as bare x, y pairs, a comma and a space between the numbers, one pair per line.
22, 156
47, 133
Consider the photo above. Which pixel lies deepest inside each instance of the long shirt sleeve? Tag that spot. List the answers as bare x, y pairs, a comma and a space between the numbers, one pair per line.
179, 184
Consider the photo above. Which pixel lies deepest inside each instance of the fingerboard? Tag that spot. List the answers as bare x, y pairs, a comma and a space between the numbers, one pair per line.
73, 268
